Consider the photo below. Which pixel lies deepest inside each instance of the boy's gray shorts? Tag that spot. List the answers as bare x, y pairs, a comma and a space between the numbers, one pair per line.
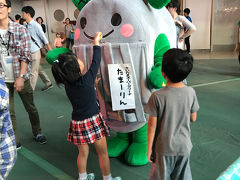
171, 167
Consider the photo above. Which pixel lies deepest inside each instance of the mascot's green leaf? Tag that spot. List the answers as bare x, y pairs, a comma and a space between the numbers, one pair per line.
53, 54
239, 23
155, 78
158, 4
80, 3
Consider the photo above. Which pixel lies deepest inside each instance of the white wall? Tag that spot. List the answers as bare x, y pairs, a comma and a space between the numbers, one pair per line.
38, 6
226, 17
201, 17
16, 8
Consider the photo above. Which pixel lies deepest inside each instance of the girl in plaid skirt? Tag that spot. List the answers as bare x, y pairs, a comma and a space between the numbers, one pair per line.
87, 125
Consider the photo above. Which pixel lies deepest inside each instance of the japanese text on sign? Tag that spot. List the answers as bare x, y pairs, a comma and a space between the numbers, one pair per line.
121, 86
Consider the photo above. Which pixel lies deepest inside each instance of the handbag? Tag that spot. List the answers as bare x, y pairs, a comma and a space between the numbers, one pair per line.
71, 35
43, 52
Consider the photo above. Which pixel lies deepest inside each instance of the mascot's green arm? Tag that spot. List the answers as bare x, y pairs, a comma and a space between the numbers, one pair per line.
54, 53
80, 3
158, 4
155, 78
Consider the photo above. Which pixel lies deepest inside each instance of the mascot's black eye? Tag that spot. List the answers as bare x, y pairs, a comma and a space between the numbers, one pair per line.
83, 22
116, 19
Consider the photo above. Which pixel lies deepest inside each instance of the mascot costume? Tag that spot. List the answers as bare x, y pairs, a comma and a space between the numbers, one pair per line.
136, 33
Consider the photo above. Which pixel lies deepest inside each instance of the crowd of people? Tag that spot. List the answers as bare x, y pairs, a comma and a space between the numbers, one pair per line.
170, 157
29, 38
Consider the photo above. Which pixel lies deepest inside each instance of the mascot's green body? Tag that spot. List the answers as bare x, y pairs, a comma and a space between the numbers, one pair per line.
136, 32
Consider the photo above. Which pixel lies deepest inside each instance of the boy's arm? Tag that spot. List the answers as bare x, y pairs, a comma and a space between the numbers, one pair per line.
193, 116
151, 129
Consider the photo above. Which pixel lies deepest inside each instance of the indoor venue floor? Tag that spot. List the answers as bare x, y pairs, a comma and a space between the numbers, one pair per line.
215, 134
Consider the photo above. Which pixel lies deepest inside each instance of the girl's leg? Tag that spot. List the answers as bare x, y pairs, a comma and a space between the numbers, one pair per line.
83, 151
101, 148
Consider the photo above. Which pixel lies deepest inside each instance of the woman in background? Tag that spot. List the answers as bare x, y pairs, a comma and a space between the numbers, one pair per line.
69, 31
40, 21
181, 22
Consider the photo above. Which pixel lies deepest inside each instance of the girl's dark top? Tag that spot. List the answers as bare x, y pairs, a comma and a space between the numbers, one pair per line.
82, 94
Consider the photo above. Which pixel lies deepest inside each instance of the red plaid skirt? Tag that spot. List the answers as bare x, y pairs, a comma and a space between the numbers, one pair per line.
87, 131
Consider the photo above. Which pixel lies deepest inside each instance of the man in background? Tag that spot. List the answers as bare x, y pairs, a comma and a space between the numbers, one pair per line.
17, 18
38, 40
14, 67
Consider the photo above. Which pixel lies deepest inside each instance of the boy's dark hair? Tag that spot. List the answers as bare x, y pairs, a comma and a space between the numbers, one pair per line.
187, 10
17, 17
177, 64
66, 69
174, 4
8, 2
30, 10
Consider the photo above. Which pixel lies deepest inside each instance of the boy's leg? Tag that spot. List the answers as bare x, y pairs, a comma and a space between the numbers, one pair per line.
27, 98
182, 169
101, 148
154, 173
166, 165
83, 151
162, 168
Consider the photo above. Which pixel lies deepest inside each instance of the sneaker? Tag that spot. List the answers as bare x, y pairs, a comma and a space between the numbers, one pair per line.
47, 87
18, 146
117, 178
90, 176
40, 138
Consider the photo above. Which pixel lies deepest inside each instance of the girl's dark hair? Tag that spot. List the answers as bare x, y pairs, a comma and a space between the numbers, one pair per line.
67, 19
39, 18
174, 4
177, 64
66, 69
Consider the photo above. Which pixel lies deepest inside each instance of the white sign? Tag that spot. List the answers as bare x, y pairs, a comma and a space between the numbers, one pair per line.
121, 86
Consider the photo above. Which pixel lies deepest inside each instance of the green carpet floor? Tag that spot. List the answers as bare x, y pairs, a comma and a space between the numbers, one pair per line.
215, 135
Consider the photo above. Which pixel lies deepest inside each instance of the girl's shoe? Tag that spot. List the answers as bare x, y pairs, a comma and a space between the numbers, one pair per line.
90, 176
117, 178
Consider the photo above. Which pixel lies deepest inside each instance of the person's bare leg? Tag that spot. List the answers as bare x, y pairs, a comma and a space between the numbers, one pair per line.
83, 151
101, 148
